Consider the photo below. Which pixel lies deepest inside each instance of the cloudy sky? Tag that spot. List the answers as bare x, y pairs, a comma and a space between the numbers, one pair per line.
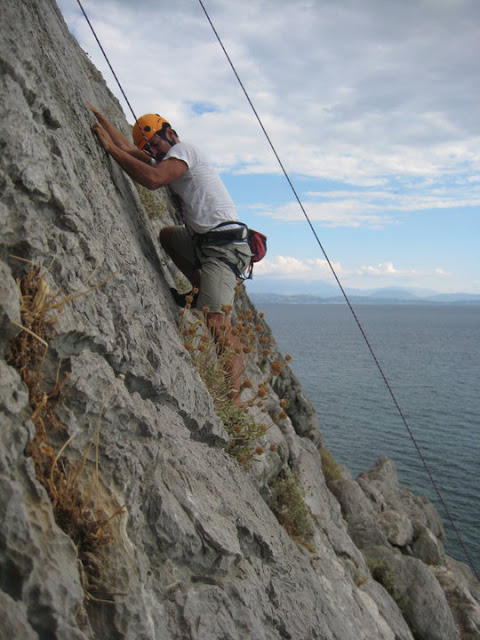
371, 105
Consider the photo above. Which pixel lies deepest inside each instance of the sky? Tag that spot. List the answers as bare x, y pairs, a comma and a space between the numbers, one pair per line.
372, 107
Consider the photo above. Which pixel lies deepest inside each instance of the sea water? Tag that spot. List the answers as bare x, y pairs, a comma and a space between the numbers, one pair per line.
430, 356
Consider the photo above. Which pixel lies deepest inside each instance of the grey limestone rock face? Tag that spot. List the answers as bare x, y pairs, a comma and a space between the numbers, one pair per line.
397, 527
10, 312
427, 546
196, 551
401, 536
463, 592
418, 593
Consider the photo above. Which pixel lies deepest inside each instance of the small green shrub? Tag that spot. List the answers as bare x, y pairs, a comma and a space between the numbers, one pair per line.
386, 578
330, 467
150, 203
212, 363
244, 433
288, 505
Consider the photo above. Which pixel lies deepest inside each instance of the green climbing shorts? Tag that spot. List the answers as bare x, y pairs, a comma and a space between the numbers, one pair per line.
218, 280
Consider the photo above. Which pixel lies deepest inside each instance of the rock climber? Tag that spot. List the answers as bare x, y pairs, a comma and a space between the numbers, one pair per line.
211, 248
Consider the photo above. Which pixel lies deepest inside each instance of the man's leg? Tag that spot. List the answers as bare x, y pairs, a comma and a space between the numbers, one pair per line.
216, 294
169, 241
216, 297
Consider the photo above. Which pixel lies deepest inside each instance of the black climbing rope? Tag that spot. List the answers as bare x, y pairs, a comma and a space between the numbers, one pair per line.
111, 68
372, 353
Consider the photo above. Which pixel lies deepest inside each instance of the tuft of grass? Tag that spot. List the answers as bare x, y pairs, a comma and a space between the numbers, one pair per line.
330, 467
361, 579
75, 511
213, 364
210, 362
150, 203
386, 578
244, 433
288, 505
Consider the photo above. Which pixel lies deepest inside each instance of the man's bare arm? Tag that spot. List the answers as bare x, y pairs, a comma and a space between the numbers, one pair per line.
118, 138
151, 177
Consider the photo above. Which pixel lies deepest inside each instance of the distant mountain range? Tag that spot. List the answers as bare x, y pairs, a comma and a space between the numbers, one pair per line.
328, 294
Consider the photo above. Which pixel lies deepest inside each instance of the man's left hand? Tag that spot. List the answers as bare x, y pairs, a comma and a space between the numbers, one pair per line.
103, 137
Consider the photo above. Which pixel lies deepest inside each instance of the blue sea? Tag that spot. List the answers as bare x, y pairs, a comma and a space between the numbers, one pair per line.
430, 356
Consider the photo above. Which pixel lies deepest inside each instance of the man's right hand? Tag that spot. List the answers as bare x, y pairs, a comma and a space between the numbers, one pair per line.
110, 137
93, 109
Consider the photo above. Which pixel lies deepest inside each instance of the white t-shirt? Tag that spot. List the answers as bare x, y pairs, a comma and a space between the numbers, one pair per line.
207, 202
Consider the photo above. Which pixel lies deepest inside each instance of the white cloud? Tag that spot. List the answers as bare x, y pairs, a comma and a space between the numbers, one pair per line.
388, 271
442, 273
352, 92
291, 267
341, 213
381, 274
385, 269
374, 207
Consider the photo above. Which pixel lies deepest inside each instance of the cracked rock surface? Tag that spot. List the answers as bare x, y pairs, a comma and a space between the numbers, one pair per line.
197, 552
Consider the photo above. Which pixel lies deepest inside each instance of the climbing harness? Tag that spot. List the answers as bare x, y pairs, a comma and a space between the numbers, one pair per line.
262, 241
240, 233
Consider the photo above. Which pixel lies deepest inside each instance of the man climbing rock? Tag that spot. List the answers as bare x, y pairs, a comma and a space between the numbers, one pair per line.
211, 249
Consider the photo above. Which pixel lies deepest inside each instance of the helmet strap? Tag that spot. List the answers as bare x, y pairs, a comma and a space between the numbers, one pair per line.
163, 135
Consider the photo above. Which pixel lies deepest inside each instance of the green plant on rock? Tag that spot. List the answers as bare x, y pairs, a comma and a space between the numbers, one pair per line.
213, 364
79, 513
244, 433
382, 574
210, 362
150, 202
330, 467
290, 508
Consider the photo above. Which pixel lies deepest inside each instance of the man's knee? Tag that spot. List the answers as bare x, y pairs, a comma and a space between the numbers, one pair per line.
165, 237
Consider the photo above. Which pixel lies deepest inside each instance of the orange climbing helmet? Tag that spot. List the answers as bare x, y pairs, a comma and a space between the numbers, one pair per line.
147, 126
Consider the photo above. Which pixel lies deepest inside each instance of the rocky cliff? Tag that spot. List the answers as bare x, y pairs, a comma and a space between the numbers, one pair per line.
134, 502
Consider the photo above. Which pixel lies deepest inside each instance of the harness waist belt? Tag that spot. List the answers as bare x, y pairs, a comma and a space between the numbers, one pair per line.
222, 237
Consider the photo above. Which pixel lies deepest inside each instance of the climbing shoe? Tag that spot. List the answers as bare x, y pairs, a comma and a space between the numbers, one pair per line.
181, 298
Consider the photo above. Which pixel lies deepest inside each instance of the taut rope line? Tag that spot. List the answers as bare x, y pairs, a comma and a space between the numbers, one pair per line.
377, 363
111, 68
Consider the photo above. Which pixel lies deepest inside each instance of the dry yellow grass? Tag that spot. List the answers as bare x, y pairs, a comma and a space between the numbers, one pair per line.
76, 511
